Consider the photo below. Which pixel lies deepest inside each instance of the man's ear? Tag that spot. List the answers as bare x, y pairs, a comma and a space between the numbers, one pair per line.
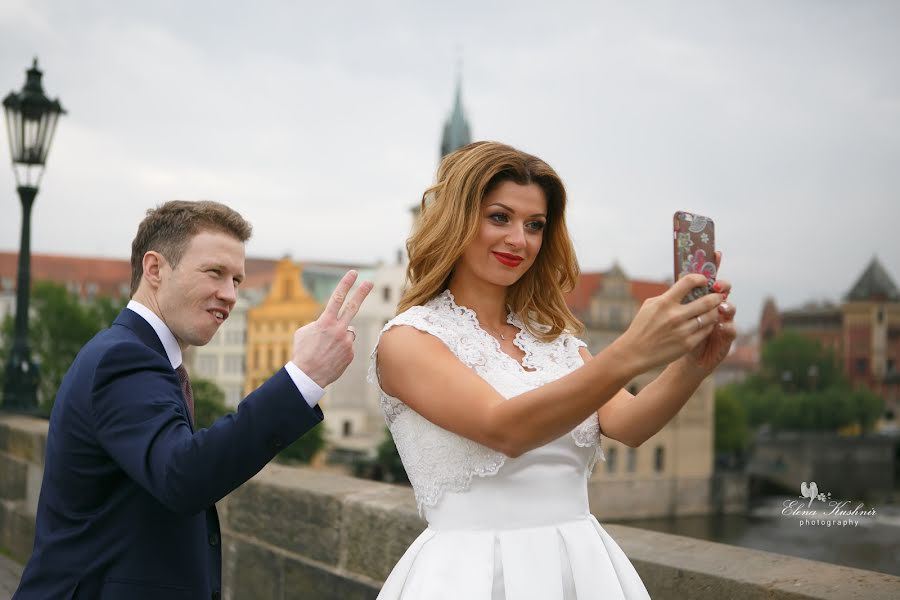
152, 264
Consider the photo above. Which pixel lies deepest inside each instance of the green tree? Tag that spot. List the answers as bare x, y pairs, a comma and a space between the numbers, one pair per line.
305, 448
209, 403
388, 459
802, 388
60, 324
799, 363
731, 431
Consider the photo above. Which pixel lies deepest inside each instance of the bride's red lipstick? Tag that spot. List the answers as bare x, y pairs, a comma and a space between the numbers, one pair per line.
510, 260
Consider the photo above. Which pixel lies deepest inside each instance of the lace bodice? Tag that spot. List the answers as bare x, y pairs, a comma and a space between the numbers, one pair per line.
437, 460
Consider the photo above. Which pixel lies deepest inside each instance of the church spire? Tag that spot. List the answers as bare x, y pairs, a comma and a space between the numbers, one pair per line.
456, 128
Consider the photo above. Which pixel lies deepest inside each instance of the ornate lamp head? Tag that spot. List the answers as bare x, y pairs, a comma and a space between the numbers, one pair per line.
30, 122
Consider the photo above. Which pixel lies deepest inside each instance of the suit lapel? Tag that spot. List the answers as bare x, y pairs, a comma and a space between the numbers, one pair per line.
136, 323
145, 333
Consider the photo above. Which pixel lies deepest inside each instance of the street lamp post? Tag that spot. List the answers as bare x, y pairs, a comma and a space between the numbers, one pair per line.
30, 122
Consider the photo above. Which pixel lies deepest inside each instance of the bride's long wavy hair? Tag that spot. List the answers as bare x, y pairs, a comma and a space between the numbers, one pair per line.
451, 217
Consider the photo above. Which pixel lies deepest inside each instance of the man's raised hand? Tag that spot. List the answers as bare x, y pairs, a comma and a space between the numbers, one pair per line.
324, 348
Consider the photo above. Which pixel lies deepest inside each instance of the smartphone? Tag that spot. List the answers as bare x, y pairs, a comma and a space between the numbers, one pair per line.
695, 250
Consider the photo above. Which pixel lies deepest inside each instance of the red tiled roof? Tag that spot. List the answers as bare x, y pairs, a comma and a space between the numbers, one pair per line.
641, 290
579, 299
112, 276
259, 271
108, 274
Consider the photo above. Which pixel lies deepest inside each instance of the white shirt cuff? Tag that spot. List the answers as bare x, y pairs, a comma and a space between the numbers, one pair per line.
310, 390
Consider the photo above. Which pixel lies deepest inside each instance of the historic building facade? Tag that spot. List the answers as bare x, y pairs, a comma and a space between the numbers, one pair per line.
863, 331
271, 324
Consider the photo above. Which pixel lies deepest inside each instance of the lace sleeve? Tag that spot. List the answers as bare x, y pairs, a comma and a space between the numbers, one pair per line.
588, 433
422, 319
436, 460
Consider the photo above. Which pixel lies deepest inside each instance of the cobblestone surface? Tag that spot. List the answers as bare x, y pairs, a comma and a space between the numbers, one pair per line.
10, 572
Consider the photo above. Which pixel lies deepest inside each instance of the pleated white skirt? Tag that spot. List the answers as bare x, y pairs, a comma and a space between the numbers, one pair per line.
523, 533
573, 560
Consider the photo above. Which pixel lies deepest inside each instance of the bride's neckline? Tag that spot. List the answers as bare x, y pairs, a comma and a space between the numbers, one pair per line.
511, 318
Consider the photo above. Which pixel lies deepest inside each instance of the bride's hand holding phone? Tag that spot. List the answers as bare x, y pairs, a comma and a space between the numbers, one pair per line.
714, 347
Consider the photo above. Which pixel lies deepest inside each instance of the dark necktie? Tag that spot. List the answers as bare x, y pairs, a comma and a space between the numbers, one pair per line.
186, 388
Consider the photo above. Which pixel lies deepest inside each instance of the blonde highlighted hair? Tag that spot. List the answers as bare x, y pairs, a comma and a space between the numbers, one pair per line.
450, 220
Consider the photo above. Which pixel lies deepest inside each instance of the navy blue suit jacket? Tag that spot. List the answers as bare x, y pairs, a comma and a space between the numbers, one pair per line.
127, 508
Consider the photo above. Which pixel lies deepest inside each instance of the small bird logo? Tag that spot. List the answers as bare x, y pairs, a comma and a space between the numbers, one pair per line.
811, 491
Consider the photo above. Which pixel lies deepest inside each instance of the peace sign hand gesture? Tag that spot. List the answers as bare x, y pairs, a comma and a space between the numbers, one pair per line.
324, 348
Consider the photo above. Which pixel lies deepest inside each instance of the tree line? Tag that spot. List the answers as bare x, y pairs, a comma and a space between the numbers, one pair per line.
800, 386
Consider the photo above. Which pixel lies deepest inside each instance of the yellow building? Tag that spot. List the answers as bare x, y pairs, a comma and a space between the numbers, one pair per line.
271, 324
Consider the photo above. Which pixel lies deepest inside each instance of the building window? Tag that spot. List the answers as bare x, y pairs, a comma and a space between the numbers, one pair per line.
386, 293
347, 428
615, 316
862, 366
233, 395
889, 365
632, 459
611, 460
659, 459
208, 365
234, 364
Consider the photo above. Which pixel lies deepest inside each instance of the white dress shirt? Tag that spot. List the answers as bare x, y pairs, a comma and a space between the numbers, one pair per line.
309, 389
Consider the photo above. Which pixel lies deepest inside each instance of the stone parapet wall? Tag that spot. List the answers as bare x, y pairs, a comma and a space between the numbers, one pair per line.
294, 533
22, 443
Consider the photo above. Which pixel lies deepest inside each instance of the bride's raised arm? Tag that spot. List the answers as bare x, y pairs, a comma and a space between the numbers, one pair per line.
421, 371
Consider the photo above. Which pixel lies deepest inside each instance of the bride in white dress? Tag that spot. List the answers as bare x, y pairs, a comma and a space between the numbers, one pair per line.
497, 409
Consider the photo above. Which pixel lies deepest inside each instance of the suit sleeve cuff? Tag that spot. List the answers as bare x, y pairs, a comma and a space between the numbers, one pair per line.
308, 388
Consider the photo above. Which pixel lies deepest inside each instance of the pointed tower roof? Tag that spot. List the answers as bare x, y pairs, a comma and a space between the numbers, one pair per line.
874, 284
616, 271
456, 128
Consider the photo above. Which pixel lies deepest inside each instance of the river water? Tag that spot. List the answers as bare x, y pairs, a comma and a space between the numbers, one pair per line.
860, 541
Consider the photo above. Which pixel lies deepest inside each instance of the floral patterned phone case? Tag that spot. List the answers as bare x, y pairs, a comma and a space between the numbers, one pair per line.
695, 247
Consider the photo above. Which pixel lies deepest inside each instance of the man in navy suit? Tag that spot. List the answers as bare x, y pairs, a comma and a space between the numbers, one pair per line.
127, 508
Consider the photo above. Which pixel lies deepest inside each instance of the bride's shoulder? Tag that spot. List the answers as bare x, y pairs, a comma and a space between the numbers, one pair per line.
436, 312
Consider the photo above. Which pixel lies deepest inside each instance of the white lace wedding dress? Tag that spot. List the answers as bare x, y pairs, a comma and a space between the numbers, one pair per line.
501, 528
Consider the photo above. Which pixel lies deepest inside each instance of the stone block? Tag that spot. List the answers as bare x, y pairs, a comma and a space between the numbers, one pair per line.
379, 525
299, 510
24, 437
13, 477
255, 572
675, 567
16, 530
302, 581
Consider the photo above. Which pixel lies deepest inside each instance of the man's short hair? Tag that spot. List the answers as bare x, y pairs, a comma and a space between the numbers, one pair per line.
169, 228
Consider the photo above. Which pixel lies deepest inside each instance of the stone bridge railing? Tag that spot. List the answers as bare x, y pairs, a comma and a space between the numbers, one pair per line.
293, 533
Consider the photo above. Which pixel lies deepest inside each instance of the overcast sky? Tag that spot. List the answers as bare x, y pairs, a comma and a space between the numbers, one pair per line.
321, 121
